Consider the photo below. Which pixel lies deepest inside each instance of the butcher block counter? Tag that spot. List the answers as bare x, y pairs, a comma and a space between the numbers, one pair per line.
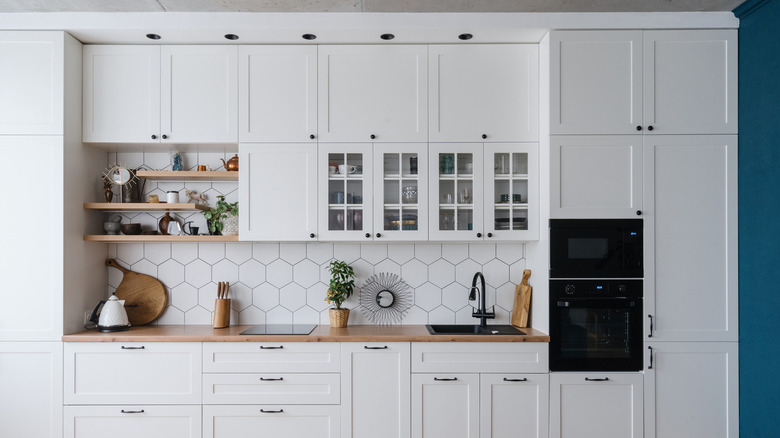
322, 333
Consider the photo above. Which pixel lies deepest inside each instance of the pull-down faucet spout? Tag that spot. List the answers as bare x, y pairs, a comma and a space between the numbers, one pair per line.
482, 312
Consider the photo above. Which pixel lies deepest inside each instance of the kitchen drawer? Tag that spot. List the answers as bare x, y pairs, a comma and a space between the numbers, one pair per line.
480, 357
135, 373
311, 389
132, 421
274, 357
288, 421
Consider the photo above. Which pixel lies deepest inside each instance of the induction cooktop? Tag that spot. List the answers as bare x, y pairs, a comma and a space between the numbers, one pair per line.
280, 329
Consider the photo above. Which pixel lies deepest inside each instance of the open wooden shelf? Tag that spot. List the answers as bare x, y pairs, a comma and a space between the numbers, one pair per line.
188, 175
144, 206
156, 238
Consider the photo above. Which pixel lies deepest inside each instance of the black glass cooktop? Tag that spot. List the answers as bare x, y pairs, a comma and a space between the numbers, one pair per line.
280, 329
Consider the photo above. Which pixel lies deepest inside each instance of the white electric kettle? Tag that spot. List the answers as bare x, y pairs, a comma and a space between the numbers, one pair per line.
113, 317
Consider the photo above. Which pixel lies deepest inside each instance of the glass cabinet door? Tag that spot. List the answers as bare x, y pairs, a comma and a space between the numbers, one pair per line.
401, 182
345, 188
456, 174
511, 191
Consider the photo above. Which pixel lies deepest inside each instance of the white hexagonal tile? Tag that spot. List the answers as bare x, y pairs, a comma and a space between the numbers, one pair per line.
306, 315
441, 315
505, 296
278, 315
240, 296
496, 272
225, 270
292, 253
315, 297
292, 296
306, 273
115, 277
441, 273
251, 315
427, 296
171, 316
363, 270
388, 266
482, 252
238, 252
373, 252
229, 189
184, 297
130, 253
211, 252
197, 315
157, 252
157, 160
130, 160
414, 273
416, 315
463, 316
455, 252
196, 186
509, 252
265, 297
455, 296
278, 273
502, 317
197, 273
516, 272
145, 267
265, 253
427, 252
184, 252
346, 252
170, 273
400, 252
212, 159
207, 295
357, 317
319, 252
251, 273
464, 272
172, 186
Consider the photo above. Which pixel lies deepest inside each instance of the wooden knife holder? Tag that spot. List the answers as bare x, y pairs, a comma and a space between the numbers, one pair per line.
222, 313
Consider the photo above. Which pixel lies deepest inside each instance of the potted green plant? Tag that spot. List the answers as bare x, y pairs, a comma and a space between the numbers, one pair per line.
223, 218
342, 283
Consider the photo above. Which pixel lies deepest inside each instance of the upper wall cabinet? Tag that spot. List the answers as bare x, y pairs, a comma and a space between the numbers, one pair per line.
484, 92
653, 82
167, 94
373, 93
31, 83
277, 93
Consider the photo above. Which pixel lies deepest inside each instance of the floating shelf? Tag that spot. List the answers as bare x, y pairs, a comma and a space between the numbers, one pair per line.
188, 175
156, 238
144, 206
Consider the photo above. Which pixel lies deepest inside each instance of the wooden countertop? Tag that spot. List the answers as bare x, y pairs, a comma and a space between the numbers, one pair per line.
322, 333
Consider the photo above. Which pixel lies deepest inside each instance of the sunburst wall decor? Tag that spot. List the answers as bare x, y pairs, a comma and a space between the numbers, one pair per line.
385, 298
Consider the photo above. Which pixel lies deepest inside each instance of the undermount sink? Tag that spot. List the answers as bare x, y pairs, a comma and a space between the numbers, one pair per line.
464, 329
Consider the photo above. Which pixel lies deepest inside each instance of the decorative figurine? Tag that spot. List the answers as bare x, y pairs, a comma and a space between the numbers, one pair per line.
197, 198
177, 160
107, 187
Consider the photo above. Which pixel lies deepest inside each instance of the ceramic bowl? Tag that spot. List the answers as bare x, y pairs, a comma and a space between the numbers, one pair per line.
130, 229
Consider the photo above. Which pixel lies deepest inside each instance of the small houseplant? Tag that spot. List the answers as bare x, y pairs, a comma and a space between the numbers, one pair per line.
221, 213
342, 283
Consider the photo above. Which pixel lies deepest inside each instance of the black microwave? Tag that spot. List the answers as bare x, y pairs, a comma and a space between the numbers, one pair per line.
596, 248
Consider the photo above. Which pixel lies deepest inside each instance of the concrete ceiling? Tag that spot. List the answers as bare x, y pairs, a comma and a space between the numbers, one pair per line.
373, 6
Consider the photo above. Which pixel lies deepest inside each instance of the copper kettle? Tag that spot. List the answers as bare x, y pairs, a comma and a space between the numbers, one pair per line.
232, 164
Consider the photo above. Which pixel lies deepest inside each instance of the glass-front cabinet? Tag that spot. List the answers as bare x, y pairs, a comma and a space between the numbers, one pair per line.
346, 189
511, 191
401, 191
456, 175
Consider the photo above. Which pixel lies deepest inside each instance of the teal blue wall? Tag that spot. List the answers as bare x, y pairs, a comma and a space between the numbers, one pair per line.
759, 217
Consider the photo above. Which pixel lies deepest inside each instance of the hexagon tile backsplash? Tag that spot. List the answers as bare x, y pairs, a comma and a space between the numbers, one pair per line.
286, 282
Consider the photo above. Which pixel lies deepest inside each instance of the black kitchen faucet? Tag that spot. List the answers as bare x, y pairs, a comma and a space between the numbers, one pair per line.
482, 312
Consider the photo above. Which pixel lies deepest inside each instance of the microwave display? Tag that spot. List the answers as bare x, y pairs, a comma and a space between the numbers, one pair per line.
596, 248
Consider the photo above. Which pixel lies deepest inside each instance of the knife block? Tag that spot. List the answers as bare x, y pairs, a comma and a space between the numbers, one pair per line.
222, 313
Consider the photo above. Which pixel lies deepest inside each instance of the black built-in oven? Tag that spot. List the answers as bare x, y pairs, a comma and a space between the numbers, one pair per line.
596, 248
595, 325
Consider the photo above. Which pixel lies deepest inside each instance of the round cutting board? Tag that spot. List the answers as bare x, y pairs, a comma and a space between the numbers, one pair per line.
144, 296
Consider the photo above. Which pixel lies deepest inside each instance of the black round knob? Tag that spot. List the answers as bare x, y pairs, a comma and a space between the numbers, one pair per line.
164, 136
311, 136
311, 235
622, 288
378, 235
368, 235
373, 136
650, 128
638, 128
484, 136
569, 289
479, 234
490, 234
154, 137
639, 212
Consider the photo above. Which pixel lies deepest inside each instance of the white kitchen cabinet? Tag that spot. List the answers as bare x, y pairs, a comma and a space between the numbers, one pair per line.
161, 94
480, 357
375, 390
511, 403
132, 373
484, 91
445, 406
400, 191
284, 388
596, 176
289, 421
31, 388
596, 405
373, 93
511, 191
456, 180
277, 189
690, 249
277, 93
32, 82
274, 357
345, 191
651, 82
691, 390
132, 421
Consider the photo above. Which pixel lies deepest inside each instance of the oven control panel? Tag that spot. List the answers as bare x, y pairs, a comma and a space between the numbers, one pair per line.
591, 288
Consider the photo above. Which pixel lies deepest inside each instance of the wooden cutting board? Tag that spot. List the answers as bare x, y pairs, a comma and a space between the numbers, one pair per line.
144, 296
522, 306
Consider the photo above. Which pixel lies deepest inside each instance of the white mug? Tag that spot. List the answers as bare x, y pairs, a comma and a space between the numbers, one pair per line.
344, 169
173, 197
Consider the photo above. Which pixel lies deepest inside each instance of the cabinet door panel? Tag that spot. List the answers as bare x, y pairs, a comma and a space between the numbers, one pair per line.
445, 405
401, 198
512, 191
132, 421
345, 196
512, 403
690, 81
455, 213
278, 192
287, 421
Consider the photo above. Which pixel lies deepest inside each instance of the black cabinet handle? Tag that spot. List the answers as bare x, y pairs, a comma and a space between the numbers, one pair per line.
479, 234
515, 380
372, 136
638, 128
368, 235
263, 347
651, 358
650, 128
268, 411
650, 335
639, 212
154, 137
311, 235
133, 348
311, 136
263, 379
378, 235
132, 412
445, 379
366, 347
484, 136
490, 234
605, 379
164, 136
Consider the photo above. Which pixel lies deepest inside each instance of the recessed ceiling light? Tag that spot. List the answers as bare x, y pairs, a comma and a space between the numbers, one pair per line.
309, 36
231, 36
465, 36
153, 36
387, 36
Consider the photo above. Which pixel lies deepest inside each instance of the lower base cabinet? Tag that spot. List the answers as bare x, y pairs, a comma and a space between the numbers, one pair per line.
285, 421
513, 405
132, 421
445, 405
596, 405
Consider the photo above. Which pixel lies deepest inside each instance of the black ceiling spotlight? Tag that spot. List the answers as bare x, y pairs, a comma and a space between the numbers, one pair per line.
231, 36
387, 36
309, 36
465, 36
153, 36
